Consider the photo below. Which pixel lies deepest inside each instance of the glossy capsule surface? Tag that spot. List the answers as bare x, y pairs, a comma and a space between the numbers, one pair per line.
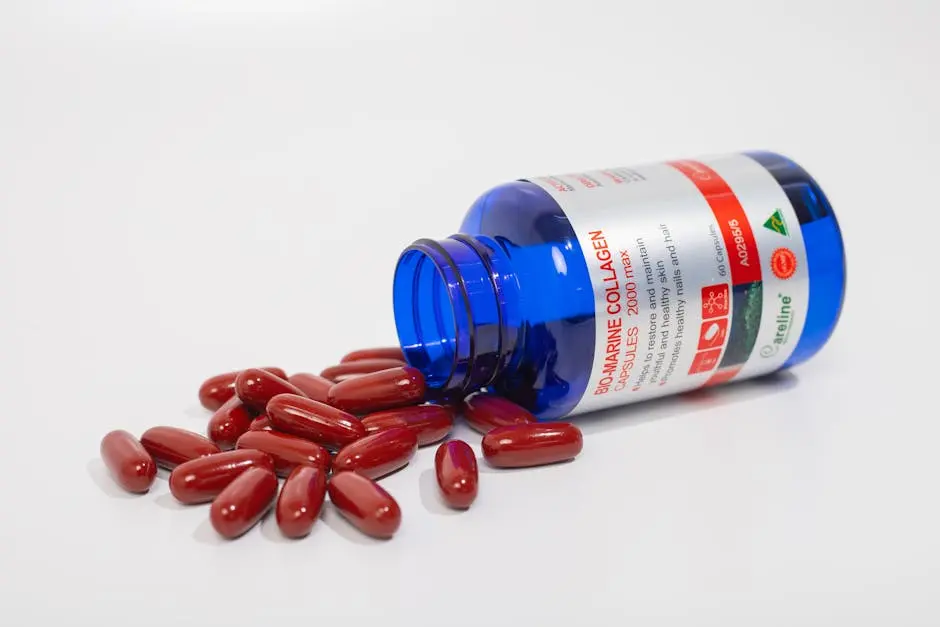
365, 504
379, 352
277, 372
394, 387
312, 385
536, 444
378, 454
201, 480
287, 451
261, 423
229, 422
319, 422
171, 446
216, 390
359, 367
431, 423
243, 502
129, 463
256, 387
484, 412
301, 499
457, 473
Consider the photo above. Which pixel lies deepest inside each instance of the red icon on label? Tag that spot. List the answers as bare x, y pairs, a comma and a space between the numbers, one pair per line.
783, 263
715, 301
705, 361
712, 334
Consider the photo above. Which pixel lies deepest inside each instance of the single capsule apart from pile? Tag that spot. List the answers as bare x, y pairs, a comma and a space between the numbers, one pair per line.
455, 467
537, 444
128, 461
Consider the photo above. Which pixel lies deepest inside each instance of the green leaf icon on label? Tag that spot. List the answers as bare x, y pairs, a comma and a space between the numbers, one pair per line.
777, 224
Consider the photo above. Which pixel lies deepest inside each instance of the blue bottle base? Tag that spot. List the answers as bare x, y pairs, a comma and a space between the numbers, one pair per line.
825, 252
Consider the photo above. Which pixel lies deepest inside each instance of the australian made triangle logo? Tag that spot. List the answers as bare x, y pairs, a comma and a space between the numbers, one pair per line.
777, 224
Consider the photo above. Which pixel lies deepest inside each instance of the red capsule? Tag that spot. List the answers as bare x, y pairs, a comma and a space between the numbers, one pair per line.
431, 423
277, 372
365, 504
287, 451
201, 480
312, 385
484, 412
171, 446
359, 367
243, 502
536, 444
261, 423
128, 461
216, 390
229, 422
394, 387
300, 501
378, 454
256, 387
379, 352
457, 473
306, 418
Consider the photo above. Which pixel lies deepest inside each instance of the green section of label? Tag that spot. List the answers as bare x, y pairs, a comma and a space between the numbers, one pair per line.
747, 304
777, 224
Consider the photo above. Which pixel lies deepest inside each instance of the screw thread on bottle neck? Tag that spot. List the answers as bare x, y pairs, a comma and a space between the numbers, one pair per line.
456, 308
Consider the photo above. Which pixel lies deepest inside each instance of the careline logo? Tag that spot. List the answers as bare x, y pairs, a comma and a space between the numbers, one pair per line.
783, 321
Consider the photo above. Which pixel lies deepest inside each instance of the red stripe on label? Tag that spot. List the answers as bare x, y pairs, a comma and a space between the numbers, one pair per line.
735, 228
723, 376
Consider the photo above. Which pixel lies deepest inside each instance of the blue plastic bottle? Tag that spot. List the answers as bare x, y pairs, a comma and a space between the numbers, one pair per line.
587, 290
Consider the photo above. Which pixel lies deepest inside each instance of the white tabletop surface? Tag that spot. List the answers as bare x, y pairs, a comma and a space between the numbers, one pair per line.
193, 187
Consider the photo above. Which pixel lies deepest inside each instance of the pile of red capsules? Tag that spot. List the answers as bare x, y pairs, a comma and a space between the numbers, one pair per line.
334, 433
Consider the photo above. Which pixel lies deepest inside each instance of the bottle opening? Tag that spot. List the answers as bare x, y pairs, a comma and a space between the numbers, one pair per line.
450, 310
425, 317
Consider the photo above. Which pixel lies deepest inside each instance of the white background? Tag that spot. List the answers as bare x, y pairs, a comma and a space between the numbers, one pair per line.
193, 187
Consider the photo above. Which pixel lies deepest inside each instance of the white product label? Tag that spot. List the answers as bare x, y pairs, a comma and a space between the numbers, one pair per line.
699, 274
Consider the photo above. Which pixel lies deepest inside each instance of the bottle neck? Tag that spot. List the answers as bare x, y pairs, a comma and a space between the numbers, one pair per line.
457, 311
